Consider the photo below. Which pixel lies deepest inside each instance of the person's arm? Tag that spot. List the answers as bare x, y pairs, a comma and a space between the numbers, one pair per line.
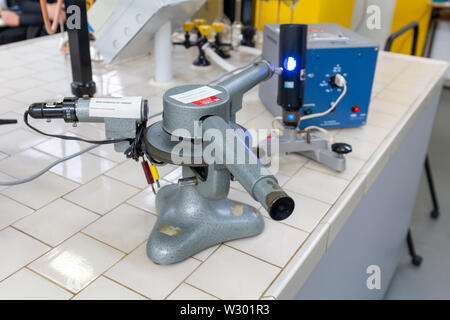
10, 18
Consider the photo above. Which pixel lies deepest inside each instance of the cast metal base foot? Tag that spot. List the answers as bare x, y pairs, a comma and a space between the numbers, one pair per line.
189, 223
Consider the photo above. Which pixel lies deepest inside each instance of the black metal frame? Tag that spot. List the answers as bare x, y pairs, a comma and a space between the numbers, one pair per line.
413, 25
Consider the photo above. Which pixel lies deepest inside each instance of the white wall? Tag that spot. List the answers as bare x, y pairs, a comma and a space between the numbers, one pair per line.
441, 45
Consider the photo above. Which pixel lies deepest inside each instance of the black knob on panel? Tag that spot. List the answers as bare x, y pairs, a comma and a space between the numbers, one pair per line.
341, 148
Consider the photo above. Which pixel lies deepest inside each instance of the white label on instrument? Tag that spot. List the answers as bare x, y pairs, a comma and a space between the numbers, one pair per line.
195, 94
129, 107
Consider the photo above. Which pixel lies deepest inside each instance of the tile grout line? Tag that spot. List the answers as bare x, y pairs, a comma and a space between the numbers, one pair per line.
251, 255
193, 286
101, 241
113, 208
49, 280
123, 285
33, 237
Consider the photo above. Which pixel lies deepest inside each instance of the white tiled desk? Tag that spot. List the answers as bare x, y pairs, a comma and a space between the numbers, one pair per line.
80, 230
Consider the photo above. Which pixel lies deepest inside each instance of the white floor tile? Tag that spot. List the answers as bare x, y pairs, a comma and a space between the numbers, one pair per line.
276, 244
23, 84
40, 191
230, 274
173, 176
352, 167
101, 194
17, 250
5, 178
244, 197
130, 172
261, 121
139, 273
26, 163
11, 211
88, 131
35, 94
290, 163
361, 149
5, 92
400, 97
203, 255
76, 262
123, 228
61, 148
368, 132
105, 289
145, 200
83, 168
56, 222
107, 151
27, 285
317, 185
387, 106
188, 292
307, 214
19, 140
9, 105
381, 119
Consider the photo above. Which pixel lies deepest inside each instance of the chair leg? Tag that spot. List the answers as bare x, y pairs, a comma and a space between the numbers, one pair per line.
435, 212
415, 258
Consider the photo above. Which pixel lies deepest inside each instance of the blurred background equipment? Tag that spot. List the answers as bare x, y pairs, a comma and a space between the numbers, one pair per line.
202, 31
128, 28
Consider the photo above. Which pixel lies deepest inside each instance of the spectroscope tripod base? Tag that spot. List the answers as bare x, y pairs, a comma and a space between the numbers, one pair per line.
188, 223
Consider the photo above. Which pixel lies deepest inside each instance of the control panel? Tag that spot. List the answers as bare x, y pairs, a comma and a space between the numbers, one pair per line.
331, 50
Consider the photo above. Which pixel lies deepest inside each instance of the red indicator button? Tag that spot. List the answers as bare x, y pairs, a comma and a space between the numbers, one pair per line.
356, 109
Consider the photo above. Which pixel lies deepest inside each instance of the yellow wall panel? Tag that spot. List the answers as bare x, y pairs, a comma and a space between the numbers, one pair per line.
407, 11
337, 11
307, 11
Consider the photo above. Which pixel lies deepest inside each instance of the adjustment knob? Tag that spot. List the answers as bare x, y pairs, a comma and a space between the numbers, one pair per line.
217, 26
341, 148
204, 29
187, 27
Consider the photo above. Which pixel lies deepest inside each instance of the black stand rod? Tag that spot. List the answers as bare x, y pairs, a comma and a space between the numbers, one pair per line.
80, 56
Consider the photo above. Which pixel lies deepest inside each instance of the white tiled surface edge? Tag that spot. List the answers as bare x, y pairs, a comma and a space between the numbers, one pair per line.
80, 231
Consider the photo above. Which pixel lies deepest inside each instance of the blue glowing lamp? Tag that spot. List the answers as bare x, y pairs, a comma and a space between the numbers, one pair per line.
289, 63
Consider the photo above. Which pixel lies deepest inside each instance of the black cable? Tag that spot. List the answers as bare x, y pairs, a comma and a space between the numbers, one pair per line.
25, 119
134, 151
136, 148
